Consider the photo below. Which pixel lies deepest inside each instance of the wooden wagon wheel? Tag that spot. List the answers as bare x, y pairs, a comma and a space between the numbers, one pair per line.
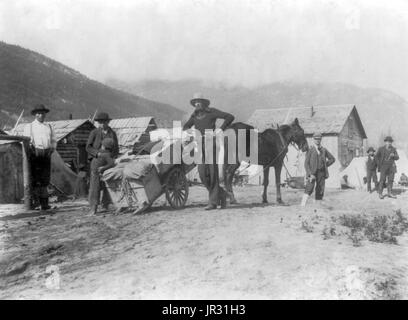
176, 186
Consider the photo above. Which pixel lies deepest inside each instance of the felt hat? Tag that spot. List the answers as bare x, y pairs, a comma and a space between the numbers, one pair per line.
370, 149
199, 97
39, 108
102, 116
388, 138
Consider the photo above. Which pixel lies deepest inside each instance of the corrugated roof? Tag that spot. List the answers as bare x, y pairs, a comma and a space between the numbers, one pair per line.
61, 128
325, 119
129, 130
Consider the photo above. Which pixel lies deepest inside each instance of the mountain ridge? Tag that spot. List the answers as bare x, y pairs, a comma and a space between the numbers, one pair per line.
382, 111
28, 78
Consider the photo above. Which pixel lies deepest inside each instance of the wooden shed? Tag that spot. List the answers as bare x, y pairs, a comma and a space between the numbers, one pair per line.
132, 131
11, 173
71, 136
342, 129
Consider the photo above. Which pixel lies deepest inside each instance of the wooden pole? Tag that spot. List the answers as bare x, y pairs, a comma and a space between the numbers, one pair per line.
26, 175
26, 166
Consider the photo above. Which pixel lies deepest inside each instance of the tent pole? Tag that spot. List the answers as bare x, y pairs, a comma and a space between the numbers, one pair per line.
26, 175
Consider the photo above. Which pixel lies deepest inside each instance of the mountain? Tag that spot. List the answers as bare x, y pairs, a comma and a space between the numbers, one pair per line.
382, 111
28, 78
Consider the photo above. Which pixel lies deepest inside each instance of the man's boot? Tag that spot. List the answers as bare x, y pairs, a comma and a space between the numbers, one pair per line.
93, 209
389, 192
44, 204
210, 207
380, 195
304, 200
223, 200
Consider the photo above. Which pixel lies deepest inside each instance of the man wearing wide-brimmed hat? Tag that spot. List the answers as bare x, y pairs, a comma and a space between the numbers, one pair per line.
43, 144
371, 169
93, 147
204, 118
385, 158
317, 161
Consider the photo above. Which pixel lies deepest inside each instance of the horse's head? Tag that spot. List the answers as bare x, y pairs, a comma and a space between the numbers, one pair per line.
298, 135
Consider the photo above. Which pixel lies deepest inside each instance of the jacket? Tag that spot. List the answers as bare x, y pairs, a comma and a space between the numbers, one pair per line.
207, 119
94, 143
311, 161
371, 164
381, 154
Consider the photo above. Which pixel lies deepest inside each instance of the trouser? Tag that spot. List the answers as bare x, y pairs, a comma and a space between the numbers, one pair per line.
387, 173
96, 186
40, 176
371, 175
209, 176
318, 183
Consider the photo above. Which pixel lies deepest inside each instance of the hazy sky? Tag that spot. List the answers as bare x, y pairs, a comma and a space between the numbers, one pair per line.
247, 42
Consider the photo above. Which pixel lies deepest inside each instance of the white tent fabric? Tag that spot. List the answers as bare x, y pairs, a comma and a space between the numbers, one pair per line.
356, 171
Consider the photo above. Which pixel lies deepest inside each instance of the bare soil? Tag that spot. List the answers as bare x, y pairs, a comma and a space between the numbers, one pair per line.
247, 251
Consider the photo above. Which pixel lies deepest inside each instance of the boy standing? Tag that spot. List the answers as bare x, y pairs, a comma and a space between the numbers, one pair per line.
371, 167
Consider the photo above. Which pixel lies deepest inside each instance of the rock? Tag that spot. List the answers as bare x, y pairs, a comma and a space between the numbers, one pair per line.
17, 268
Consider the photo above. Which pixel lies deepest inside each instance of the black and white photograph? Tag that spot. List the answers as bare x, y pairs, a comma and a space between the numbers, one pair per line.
203, 150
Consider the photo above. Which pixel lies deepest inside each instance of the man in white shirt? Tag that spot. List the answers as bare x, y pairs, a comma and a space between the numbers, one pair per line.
43, 144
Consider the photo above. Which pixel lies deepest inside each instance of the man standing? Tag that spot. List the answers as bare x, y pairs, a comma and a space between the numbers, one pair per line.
204, 118
385, 158
371, 166
43, 144
317, 161
93, 147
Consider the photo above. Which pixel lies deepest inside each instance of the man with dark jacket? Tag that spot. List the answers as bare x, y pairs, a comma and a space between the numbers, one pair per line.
204, 118
317, 161
93, 147
371, 169
385, 158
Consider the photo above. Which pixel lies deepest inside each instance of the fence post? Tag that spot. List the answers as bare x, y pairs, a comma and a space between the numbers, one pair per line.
26, 175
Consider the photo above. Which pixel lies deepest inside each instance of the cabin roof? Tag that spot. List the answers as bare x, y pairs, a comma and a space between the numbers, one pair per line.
325, 119
61, 128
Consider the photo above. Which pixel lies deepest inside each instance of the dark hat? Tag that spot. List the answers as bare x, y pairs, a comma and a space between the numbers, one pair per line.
199, 97
388, 138
102, 116
108, 143
370, 149
39, 108
317, 135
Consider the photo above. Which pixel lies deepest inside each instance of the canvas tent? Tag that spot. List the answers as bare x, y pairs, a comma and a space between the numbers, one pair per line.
356, 171
11, 173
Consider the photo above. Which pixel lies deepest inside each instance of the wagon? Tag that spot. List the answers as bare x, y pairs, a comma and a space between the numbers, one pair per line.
137, 183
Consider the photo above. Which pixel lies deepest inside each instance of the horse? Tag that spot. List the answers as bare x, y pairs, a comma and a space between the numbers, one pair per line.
272, 149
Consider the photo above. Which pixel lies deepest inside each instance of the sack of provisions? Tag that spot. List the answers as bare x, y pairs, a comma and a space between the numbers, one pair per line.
137, 169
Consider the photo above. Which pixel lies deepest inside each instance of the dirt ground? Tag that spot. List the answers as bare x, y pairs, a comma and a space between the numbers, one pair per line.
248, 251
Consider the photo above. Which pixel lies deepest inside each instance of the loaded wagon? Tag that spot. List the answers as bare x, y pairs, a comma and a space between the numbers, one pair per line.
136, 181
